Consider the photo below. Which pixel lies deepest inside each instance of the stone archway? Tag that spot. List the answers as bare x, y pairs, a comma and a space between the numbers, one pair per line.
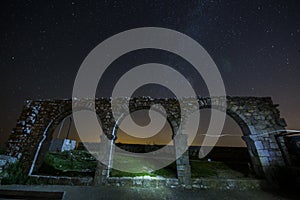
108, 139
258, 118
145, 145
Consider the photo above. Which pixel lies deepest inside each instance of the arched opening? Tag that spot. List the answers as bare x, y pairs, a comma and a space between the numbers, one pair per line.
65, 136
64, 152
229, 158
140, 143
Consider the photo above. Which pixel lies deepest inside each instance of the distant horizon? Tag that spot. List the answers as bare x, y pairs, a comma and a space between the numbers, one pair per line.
164, 144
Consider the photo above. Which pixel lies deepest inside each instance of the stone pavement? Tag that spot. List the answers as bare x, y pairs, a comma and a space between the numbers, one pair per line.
105, 192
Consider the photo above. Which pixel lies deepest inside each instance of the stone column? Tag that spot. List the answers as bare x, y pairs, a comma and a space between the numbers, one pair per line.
255, 162
269, 154
281, 143
100, 174
183, 164
106, 157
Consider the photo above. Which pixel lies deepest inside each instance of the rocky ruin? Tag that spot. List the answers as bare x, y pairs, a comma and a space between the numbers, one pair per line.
258, 118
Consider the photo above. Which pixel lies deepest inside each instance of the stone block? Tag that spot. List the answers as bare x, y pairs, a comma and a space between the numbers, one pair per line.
263, 152
264, 161
137, 181
258, 145
273, 145
272, 153
266, 144
170, 182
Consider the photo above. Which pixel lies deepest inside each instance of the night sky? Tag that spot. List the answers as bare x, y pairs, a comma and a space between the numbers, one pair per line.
255, 44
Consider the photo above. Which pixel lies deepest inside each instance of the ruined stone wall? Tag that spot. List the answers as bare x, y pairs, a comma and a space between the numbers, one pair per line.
256, 116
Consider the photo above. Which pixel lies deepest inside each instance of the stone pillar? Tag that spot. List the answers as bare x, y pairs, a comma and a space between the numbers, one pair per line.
269, 154
281, 142
183, 164
255, 162
100, 174
105, 158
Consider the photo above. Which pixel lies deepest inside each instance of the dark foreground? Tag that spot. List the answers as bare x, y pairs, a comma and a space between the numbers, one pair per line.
103, 192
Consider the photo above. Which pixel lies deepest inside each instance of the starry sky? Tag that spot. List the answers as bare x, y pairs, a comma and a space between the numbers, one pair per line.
255, 44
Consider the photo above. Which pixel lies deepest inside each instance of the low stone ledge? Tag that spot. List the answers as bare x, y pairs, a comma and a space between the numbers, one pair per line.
63, 180
143, 181
200, 183
227, 184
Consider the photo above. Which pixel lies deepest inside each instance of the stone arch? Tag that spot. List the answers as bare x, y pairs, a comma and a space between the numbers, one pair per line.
102, 172
258, 117
45, 144
246, 131
64, 112
60, 111
173, 124
245, 134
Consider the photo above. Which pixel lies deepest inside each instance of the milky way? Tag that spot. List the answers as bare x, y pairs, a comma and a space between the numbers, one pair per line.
255, 44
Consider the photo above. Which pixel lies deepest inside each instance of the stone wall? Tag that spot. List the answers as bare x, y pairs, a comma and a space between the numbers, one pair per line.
258, 118
62, 180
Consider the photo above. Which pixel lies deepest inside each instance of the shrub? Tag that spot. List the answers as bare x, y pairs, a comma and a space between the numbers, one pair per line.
13, 174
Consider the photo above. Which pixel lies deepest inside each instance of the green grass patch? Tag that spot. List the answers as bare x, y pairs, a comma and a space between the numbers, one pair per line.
206, 169
216, 169
144, 166
68, 163
166, 172
14, 174
82, 163
199, 169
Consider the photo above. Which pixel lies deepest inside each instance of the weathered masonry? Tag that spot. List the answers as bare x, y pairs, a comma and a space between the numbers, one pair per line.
258, 118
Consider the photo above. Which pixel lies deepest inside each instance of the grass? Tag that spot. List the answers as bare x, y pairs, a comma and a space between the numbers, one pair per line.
146, 168
68, 163
81, 163
14, 174
199, 168
204, 168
